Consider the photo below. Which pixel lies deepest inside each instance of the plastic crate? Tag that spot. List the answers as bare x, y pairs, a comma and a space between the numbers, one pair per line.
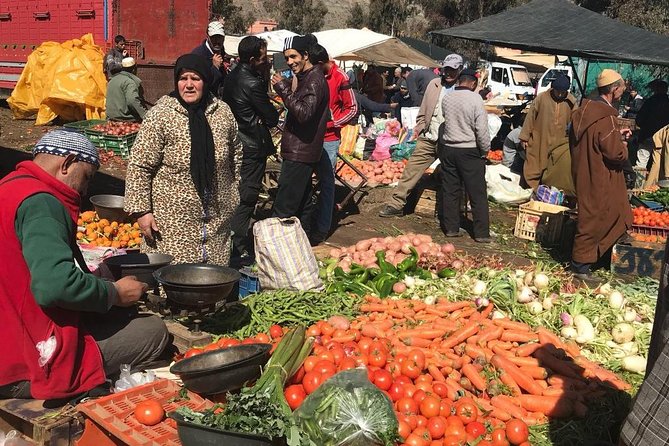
248, 283
651, 230
81, 126
113, 413
120, 145
529, 215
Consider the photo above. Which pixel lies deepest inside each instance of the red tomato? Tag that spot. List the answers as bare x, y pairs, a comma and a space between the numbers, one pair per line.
211, 347
415, 440
310, 363
440, 389
324, 367
419, 396
429, 407
424, 378
404, 429
409, 390
406, 405
313, 331
275, 331
383, 379
418, 357
475, 429
347, 364
484, 443
327, 329
403, 380
422, 432
311, 381
149, 412
299, 375
439, 442
361, 359
421, 421
338, 354
454, 420
452, 440
516, 431
193, 352
499, 438
223, 342
396, 391
424, 386
364, 344
263, 338
295, 394
437, 427
445, 408
378, 355
327, 355
250, 341
394, 368
466, 409
410, 369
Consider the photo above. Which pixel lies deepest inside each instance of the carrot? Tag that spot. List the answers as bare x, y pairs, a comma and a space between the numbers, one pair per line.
436, 312
534, 372
546, 337
524, 382
415, 341
527, 349
343, 339
506, 404
372, 331
518, 336
556, 365
436, 373
508, 324
572, 349
474, 351
446, 324
372, 299
489, 334
535, 418
565, 382
463, 313
460, 335
552, 406
486, 311
592, 370
474, 377
369, 308
528, 362
449, 307
455, 391
509, 382
400, 314
564, 393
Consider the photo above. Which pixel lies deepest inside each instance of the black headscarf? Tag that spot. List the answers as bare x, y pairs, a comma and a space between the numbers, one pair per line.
202, 161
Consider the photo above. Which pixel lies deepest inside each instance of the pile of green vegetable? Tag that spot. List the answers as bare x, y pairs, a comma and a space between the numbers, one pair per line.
660, 196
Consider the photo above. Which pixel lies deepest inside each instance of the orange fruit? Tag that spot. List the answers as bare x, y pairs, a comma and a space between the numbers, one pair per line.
108, 230
138, 240
115, 244
80, 235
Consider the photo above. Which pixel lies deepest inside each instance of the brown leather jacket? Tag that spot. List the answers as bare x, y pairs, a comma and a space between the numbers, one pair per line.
308, 114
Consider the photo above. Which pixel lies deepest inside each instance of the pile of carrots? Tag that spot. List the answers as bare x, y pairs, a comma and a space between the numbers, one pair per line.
507, 369
377, 172
648, 238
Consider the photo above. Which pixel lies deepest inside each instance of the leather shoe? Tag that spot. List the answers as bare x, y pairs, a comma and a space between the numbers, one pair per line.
389, 211
483, 240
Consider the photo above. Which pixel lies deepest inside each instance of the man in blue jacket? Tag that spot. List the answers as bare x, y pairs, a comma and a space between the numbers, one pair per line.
213, 50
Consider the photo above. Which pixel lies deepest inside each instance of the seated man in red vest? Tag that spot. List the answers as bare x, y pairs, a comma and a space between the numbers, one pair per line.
64, 331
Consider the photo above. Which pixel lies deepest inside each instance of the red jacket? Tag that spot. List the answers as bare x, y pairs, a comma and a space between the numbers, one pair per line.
76, 364
343, 106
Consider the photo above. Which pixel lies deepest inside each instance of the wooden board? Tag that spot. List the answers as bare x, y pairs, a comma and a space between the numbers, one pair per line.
44, 427
638, 259
426, 205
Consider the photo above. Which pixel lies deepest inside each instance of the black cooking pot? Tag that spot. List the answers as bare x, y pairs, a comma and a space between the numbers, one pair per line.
222, 370
192, 434
197, 284
140, 265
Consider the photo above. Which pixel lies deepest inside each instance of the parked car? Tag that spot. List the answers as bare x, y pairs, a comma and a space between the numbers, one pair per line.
550, 74
509, 80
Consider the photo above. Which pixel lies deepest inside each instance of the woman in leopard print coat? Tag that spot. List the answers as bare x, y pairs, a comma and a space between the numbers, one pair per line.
159, 182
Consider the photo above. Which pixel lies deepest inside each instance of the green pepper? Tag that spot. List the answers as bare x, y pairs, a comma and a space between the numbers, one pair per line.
356, 269
339, 272
362, 278
446, 273
387, 287
385, 266
424, 274
373, 272
410, 263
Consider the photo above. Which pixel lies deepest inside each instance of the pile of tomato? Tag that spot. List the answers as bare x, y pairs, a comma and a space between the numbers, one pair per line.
276, 332
645, 217
426, 416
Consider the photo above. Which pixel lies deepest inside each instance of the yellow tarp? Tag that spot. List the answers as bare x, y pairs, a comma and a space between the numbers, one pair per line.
63, 80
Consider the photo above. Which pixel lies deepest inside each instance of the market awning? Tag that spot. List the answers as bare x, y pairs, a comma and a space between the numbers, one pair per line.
561, 27
429, 49
368, 46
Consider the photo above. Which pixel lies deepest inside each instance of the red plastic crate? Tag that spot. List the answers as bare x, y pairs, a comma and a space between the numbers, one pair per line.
113, 413
651, 230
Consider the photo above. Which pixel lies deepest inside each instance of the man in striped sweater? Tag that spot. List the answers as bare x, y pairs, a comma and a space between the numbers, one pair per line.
343, 109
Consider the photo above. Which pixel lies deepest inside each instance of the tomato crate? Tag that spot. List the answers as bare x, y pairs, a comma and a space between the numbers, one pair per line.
651, 230
120, 145
248, 283
529, 215
81, 126
114, 414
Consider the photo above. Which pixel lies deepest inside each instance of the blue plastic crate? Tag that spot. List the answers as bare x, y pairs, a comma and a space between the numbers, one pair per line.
248, 283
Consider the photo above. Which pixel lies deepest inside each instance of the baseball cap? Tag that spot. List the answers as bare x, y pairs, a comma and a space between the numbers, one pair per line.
215, 28
468, 72
452, 61
128, 62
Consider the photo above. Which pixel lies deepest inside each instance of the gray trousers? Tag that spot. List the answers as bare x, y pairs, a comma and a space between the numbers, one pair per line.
423, 156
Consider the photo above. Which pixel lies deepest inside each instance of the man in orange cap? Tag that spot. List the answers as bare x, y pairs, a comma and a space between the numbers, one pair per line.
598, 155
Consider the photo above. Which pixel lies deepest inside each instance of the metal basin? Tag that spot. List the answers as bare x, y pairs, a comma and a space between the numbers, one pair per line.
110, 207
192, 434
222, 370
197, 284
663, 183
140, 265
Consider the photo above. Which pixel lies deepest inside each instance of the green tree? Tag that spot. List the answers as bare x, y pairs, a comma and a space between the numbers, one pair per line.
386, 16
357, 18
301, 16
236, 20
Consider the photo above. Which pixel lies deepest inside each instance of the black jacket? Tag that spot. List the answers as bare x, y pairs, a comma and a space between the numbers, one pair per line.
217, 74
653, 115
245, 91
308, 114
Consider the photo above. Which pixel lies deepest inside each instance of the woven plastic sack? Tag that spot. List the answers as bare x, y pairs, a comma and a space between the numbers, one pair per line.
402, 151
63, 80
348, 410
284, 256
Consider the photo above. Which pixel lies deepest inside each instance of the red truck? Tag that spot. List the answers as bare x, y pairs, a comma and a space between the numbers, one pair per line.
157, 32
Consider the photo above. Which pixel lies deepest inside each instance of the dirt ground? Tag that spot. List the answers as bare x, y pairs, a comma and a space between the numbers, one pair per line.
357, 222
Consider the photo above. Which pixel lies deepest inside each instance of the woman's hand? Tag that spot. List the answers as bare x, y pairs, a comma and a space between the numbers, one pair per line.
147, 224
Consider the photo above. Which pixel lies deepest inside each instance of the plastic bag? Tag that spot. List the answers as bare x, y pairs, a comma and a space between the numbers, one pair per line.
348, 410
61, 79
46, 350
129, 380
12, 438
402, 151
382, 150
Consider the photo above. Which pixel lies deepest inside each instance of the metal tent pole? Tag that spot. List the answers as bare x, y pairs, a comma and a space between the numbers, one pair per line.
581, 88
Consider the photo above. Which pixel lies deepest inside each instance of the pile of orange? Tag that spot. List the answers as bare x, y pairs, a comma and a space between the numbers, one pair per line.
649, 238
97, 231
646, 217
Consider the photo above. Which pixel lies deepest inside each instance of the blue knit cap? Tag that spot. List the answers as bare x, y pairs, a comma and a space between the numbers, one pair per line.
66, 142
561, 83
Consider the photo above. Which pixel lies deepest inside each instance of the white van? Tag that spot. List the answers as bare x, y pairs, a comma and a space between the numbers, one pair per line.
551, 73
508, 80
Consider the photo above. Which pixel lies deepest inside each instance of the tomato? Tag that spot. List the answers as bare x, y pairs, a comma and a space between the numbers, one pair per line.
250, 341
454, 420
298, 376
499, 438
325, 367
419, 396
396, 391
361, 359
275, 331
424, 378
383, 379
425, 387
149, 412
516, 431
456, 430
313, 331
364, 344
403, 380
378, 355
429, 407
421, 421
295, 394
437, 427
406, 405
484, 443
466, 409
394, 368
418, 357
437, 443
326, 355
193, 352
347, 364
475, 429
409, 390
327, 329
263, 338
422, 431
410, 369
311, 381
211, 347
310, 363
440, 389
415, 440
338, 354
445, 408
452, 440
404, 429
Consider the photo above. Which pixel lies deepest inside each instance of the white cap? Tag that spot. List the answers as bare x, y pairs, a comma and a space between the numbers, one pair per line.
215, 29
128, 62
452, 61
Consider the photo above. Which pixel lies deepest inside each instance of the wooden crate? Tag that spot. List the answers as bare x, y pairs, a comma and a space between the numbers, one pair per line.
638, 259
427, 203
44, 427
529, 215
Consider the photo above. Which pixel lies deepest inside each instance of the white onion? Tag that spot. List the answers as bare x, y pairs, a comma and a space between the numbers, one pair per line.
525, 295
629, 315
479, 288
535, 307
616, 300
541, 281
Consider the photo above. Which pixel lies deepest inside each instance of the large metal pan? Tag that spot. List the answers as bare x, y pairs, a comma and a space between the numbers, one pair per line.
197, 284
140, 265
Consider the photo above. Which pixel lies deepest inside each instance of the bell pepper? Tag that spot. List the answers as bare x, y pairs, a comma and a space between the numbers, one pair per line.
384, 265
409, 263
446, 273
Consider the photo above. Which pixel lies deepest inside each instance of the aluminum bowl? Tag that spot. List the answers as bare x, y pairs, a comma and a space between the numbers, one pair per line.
222, 370
110, 207
141, 266
197, 284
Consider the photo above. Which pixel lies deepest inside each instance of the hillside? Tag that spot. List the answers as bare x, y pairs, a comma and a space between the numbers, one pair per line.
335, 18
